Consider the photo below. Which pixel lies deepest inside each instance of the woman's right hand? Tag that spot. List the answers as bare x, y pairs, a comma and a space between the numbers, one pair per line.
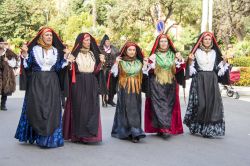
118, 59
145, 61
71, 58
24, 51
191, 56
152, 57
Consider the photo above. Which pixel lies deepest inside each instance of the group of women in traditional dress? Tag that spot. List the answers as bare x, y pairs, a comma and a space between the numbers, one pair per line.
48, 68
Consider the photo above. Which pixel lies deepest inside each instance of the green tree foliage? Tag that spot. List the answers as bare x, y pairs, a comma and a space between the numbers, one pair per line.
230, 19
104, 7
136, 19
20, 18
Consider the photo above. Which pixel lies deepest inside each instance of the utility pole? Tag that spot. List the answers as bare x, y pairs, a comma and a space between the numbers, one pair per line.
207, 15
94, 14
210, 16
204, 16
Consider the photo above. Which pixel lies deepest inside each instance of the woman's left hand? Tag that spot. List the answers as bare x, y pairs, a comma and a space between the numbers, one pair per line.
178, 56
145, 61
66, 53
225, 59
102, 58
71, 58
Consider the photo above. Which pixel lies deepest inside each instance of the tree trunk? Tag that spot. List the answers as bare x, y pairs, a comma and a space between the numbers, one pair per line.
239, 34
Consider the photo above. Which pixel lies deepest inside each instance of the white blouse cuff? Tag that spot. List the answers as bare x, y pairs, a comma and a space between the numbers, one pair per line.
25, 64
179, 63
114, 69
192, 69
65, 63
223, 68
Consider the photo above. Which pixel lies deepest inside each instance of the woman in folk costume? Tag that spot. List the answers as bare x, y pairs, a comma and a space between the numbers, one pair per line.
110, 52
166, 72
81, 121
128, 69
41, 120
9, 62
207, 68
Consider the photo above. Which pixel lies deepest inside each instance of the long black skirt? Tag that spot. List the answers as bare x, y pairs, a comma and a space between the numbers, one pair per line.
85, 106
162, 100
44, 102
127, 120
204, 113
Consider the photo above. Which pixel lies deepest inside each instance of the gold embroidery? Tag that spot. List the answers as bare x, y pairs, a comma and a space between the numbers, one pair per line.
132, 83
163, 76
85, 62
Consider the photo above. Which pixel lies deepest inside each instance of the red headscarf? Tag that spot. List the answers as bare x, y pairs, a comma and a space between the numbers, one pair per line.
139, 53
204, 34
41, 42
156, 44
57, 42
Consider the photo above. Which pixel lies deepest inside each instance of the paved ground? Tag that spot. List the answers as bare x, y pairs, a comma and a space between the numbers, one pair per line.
181, 150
